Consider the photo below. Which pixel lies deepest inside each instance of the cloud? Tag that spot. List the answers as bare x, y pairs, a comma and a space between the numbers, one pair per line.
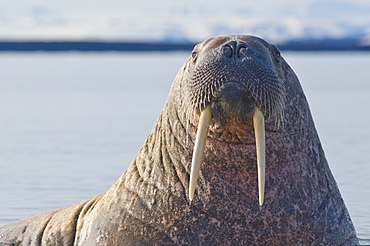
183, 21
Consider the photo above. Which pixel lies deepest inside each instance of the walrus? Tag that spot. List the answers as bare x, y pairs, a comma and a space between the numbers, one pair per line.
234, 159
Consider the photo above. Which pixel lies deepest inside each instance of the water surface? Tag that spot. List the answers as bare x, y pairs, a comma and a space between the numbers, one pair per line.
71, 123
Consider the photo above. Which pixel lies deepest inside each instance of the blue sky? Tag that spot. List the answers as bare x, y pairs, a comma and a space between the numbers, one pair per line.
175, 20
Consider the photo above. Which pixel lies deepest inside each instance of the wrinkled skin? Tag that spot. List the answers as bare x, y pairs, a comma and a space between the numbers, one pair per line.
149, 204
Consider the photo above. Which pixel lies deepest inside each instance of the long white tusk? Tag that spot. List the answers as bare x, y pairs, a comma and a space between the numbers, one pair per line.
259, 130
200, 141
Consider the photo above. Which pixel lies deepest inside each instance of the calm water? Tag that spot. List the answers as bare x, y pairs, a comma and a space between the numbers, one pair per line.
71, 123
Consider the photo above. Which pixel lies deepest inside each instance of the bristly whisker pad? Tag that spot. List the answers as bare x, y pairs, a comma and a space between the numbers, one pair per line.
263, 84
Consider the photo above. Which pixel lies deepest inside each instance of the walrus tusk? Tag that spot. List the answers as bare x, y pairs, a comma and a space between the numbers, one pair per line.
200, 141
259, 131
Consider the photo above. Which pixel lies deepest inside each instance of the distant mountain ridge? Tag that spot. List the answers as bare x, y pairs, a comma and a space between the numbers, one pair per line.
103, 46
179, 22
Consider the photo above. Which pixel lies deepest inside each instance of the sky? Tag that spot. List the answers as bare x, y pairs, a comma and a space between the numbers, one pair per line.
191, 20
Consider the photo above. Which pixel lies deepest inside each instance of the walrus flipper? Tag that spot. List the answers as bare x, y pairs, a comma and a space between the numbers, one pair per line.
55, 227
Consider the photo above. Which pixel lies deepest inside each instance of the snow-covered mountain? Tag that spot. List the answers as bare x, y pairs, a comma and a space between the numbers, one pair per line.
184, 21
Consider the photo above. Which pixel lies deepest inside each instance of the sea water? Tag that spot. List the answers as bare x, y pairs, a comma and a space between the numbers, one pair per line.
71, 123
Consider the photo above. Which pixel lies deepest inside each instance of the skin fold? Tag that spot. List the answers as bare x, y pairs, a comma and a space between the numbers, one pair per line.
150, 205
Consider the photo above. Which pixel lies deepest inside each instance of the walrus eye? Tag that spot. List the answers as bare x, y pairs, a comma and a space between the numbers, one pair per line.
194, 55
276, 52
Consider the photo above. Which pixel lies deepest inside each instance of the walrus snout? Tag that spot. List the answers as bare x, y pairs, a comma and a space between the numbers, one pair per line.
248, 61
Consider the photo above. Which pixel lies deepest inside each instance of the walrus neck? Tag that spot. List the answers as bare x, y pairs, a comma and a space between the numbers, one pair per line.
154, 165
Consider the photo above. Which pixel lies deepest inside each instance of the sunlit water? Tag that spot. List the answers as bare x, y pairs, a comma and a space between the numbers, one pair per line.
71, 123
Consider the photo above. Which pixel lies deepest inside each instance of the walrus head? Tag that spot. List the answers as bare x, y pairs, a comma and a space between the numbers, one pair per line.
235, 82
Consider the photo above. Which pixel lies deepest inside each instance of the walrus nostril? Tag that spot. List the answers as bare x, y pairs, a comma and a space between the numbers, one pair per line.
242, 51
228, 51
234, 49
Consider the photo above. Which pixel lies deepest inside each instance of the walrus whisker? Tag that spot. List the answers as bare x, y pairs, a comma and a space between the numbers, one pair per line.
259, 130
200, 140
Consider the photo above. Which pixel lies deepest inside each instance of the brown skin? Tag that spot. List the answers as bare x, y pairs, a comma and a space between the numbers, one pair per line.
149, 203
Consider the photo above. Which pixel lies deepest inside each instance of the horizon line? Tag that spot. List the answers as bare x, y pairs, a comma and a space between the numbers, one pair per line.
347, 44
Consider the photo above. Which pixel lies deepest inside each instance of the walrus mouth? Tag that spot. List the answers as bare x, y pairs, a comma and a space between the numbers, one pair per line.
200, 141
